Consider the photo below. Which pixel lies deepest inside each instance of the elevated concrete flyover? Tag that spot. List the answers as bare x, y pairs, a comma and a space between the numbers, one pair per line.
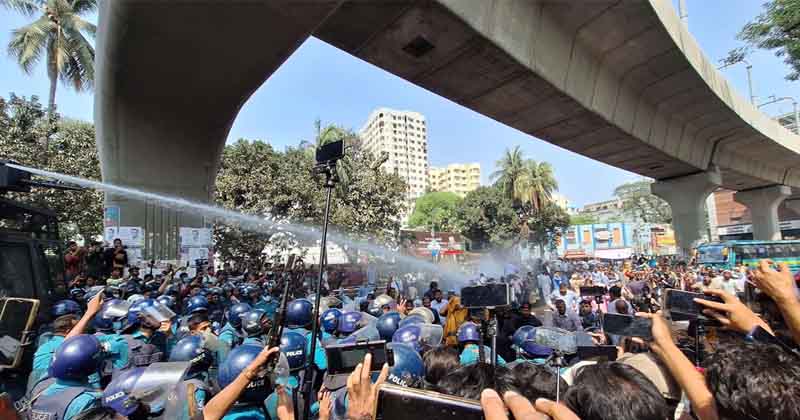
171, 78
619, 81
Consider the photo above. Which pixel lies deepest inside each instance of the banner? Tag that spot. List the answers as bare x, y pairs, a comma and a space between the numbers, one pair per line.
195, 237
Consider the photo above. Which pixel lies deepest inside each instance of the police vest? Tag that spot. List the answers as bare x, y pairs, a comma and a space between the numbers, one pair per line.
53, 407
140, 354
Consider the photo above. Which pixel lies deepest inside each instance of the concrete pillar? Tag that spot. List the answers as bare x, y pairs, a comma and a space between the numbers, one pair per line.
763, 205
686, 196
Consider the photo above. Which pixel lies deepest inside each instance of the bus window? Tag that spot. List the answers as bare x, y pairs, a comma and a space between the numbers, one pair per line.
762, 252
16, 273
710, 254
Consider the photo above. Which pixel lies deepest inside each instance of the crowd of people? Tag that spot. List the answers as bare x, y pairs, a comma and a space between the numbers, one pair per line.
115, 329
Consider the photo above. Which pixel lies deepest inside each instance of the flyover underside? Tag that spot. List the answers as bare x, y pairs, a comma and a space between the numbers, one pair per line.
171, 78
604, 79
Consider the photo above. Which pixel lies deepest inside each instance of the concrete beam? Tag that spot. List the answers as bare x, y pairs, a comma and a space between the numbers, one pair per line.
686, 197
171, 77
763, 205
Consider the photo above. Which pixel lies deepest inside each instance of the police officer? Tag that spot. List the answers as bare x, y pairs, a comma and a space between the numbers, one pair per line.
293, 347
59, 309
468, 336
194, 389
68, 393
232, 333
145, 337
298, 319
256, 325
349, 322
245, 360
44, 353
329, 321
387, 324
527, 350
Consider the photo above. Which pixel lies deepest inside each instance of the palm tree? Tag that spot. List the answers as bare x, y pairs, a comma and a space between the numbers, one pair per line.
536, 184
510, 168
57, 34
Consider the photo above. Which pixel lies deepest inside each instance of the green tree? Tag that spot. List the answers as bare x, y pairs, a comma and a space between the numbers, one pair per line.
582, 219
776, 28
639, 204
536, 184
545, 224
280, 186
510, 169
59, 34
435, 210
71, 150
486, 216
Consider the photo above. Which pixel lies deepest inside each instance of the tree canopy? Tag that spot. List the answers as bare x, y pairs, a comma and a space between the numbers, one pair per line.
436, 210
582, 219
777, 28
487, 218
256, 179
60, 35
32, 138
639, 204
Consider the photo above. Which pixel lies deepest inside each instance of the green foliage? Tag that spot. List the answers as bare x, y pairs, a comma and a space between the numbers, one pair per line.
32, 138
536, 184
776, 28
639, 204
510, 169
279, 185
582, 219
487, 218
546, 223
59, 35
435, 210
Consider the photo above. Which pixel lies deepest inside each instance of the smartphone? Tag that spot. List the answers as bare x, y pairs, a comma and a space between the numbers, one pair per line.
598, 353
343, 358
397, 402
490, 295
628, 326
681, 302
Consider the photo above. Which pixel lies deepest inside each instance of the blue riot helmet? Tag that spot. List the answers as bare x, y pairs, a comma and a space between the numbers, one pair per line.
412, 319
523, 333
131, 288
111, 315
255, 322
167, 301
293, 345
238, 359
419, 336
298, 313
77, 294
349, 322
531, 350
387, 324
197, 304
133, 299
330, 320
236, 312
408, 368
192, 349
77, 358
228, 287
65, 307
468, 332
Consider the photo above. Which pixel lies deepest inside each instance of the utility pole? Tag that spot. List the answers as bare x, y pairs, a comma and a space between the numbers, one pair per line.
683, 12
749, 68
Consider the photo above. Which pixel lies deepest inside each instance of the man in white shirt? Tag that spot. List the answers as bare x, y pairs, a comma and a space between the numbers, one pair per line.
438, 303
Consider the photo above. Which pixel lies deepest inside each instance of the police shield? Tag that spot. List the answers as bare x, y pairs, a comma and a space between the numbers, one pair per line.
115, 309
157, 313
366, 333
431, 334
154, 386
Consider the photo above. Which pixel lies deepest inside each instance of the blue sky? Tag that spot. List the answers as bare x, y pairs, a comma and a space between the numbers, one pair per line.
319, 81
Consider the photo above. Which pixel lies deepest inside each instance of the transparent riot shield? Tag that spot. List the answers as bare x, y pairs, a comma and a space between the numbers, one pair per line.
17, 317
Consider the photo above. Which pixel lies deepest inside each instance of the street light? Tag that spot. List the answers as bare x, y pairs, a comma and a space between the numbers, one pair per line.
794, 108
749, 76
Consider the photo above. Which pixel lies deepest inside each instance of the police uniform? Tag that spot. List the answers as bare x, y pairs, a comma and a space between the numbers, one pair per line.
230, 335
320, 358
471, 353
65, 399
258, 340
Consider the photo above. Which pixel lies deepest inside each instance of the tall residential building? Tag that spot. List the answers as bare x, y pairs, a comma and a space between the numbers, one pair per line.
459, 178
402, 136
